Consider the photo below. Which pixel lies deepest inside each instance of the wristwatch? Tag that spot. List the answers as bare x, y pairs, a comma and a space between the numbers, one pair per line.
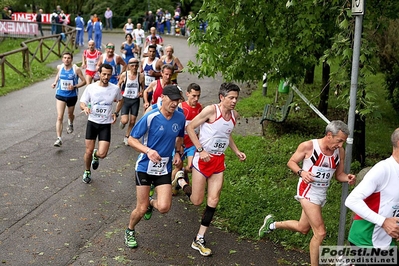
200, 149
116, 114
300, 172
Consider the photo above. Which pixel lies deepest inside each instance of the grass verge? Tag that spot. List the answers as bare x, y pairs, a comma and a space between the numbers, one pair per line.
263, 184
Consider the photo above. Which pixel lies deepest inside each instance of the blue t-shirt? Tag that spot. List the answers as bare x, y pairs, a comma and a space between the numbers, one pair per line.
159, 134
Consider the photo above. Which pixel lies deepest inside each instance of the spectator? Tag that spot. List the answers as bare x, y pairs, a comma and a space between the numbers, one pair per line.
89, 29
39, 21
63, 20
108, 18
79, 30
151, 20
168, 17
182, 26
98, 33
54, 20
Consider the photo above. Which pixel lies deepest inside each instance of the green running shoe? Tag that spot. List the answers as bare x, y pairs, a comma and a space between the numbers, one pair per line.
265, 228
148, 214
130, 238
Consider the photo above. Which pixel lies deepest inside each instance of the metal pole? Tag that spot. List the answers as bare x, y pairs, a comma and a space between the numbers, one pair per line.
351, 124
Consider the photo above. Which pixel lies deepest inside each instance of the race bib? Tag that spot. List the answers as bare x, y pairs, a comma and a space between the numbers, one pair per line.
158, 168
65, 84
322, 176
218, 145
101, 110
91, 64
395, 209
148, 79
131, 93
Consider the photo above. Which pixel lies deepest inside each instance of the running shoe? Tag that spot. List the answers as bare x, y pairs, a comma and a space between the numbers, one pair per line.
86, 177
265, 228
125, 140
152, 190
95, 162
58, 143
148, 214
199, 244
121, 125
130, 238
69, 129
175, 182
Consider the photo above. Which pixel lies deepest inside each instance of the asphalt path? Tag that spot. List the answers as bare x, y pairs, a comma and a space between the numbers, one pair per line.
49, 217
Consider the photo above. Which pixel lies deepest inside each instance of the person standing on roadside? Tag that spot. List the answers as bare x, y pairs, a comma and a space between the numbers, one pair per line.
215, 123
108, 18
98, 33
375, 201
80, 24
66, 85
89, 29
109, 57
133, 83
96, 102
39, 21
90, 59
321, 159
161, 131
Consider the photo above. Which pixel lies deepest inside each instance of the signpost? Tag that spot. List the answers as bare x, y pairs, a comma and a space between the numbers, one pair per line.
358, 12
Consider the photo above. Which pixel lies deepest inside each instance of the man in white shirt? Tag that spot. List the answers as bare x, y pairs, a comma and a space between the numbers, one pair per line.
139, 37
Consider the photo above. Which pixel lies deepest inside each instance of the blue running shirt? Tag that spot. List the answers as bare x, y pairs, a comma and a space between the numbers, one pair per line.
159, 134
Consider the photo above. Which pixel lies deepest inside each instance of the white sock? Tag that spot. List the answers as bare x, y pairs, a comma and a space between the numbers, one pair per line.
272, 226
199, 236
69, 122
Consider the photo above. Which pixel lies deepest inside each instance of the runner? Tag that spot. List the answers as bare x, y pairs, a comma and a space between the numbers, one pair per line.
90, 59
66, 83
161, 131
172, 60
216, 123
133, 83
155, 88
321, 159
150, 70
113, 60
191, 108
96, 102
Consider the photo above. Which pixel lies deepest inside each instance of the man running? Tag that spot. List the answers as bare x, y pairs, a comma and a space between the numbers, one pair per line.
114, 60
66, 83
149, 68
216, 122
322, 158
90, 59
170, 59
191, 108
96, 102
155, 88
133, 83
161, 131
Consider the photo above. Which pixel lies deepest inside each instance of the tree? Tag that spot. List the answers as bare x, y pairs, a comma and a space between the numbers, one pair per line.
289, 39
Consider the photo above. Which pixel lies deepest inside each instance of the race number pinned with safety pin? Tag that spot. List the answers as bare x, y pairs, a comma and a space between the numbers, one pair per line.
159, 168
322, 176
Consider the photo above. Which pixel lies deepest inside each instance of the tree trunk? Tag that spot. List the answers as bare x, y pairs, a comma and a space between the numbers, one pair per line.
309, 75
323, 104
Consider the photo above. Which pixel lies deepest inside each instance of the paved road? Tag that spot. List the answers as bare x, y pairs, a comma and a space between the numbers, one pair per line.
49, 217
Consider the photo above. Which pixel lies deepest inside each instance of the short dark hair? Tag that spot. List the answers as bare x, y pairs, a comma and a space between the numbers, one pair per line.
68, 53
227, 87
193, 86
128, 34
152, 47
106, 66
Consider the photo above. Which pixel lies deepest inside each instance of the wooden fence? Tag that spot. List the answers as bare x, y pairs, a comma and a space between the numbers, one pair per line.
62, 42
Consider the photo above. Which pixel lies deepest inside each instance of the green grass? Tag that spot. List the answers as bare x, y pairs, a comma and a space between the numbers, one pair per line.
263, 184
40, 71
